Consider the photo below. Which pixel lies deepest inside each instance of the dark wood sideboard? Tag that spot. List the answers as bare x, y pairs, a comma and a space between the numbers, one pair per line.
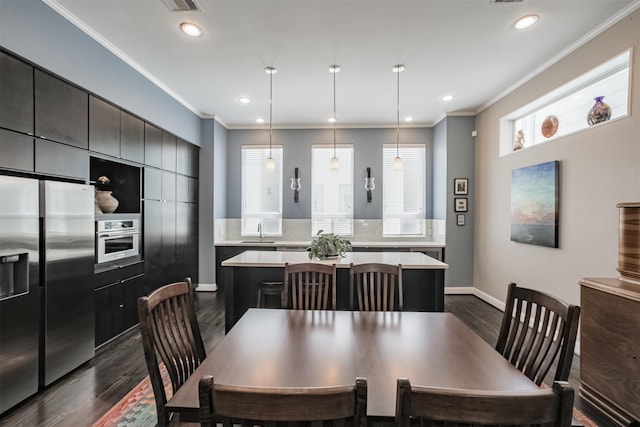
610, 347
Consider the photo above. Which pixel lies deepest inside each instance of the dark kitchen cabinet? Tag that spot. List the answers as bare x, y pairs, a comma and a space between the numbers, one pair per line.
104, 127
61, 111
131, 138
168, 186
52, 158
16, 101
16, 151
187, 241
152, 183
152, 221
187, 156
169, 144
152, 146
168, 252
116, 307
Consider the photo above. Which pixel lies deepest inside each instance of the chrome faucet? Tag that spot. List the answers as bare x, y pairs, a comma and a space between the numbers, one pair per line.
260, 231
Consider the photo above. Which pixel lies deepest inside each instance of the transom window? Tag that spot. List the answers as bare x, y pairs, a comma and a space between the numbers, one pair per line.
332, 191
404, 191
261, 191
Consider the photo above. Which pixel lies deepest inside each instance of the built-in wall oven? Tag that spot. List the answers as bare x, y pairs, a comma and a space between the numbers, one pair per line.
117, 239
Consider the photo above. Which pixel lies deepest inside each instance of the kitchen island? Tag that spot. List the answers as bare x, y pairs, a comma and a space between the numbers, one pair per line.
422, 277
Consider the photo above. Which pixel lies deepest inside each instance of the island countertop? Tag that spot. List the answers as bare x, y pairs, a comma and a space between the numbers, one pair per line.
409, 260
267, 241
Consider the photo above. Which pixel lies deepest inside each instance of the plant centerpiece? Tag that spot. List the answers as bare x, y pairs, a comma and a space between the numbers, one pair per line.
328, 245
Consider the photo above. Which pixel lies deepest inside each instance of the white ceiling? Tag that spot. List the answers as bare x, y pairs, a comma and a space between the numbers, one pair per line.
467, 48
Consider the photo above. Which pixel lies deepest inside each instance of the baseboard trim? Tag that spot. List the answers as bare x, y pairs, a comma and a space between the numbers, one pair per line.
458, 290
206, 287
489, 299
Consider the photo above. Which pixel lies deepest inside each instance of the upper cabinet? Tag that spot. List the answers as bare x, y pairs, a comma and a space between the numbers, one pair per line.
104, 127
187, 158
152, 145
131, 137
61, 111
115, 132
16, 101
168, 151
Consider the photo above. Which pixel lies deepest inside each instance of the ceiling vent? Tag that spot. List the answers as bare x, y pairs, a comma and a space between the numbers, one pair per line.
506, 1
182, 5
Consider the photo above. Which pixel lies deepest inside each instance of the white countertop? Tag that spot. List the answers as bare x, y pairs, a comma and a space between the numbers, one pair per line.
304, 243
412, 260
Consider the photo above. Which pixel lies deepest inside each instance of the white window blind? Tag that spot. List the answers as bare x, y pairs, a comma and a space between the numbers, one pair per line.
261, 191
404, 191
332, 191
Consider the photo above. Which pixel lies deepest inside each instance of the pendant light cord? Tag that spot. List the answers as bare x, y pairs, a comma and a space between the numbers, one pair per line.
270, 109
398, 116
334, 114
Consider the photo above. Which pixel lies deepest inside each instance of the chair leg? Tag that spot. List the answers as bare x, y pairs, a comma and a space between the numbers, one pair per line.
260, 299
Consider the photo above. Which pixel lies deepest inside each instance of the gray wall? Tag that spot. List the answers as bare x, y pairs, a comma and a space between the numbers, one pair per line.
206, 197
36, 32
460, 164
440, 170
297, 153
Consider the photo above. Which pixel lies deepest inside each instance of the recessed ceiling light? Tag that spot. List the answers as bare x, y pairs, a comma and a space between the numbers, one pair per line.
332, 119
259, 120
191, 29
244, 100
408, 119
448, 97
526, 22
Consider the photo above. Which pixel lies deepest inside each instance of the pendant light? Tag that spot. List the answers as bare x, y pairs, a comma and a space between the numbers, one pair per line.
335, 162
271, 164
397, 162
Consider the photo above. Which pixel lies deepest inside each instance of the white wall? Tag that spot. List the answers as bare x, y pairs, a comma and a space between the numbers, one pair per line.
599, 167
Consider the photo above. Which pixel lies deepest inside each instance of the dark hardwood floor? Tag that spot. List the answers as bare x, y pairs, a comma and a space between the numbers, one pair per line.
82, 397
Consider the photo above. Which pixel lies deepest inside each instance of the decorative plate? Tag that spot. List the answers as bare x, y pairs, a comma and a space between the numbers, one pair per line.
549, 126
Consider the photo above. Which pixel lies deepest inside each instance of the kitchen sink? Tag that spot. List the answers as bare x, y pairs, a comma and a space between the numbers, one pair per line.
257, 241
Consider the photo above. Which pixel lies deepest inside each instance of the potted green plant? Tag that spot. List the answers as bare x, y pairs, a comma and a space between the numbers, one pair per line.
328, 245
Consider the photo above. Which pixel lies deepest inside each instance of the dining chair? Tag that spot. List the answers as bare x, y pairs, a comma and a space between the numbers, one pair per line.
437, 406
253, 406
536, 329
376, 287
171, 338
309, 286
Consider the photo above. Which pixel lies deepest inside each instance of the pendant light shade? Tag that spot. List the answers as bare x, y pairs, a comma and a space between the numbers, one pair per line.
397, 162
271, 164
335, 162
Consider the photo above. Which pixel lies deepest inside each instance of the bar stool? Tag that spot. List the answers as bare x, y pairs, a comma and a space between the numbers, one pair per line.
268, 288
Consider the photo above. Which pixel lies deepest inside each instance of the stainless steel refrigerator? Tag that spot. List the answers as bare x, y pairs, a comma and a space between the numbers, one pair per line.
50, 318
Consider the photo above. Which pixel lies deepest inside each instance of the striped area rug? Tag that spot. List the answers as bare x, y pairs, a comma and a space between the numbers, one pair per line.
138, 408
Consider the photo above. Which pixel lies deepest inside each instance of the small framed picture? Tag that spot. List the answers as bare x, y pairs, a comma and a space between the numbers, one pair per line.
460, 218
461, 186
460, 204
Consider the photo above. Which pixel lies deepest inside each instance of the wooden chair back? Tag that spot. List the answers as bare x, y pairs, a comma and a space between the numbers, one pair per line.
377, 287
309, 286
439, 406
169, 329
251, 406
537, 328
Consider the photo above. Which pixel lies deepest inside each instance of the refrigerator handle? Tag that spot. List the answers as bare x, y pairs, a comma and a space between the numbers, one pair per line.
42, 261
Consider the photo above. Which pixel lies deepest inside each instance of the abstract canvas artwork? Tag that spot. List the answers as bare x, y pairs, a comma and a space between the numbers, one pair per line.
534, 204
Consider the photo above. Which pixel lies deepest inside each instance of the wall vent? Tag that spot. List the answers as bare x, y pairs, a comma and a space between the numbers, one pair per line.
182, 5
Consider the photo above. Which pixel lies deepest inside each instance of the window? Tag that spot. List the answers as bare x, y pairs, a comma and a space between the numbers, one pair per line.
332, 191
403, 191
564, 110
261, 191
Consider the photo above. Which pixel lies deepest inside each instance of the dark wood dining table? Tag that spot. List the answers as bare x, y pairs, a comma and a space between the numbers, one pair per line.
295, 348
